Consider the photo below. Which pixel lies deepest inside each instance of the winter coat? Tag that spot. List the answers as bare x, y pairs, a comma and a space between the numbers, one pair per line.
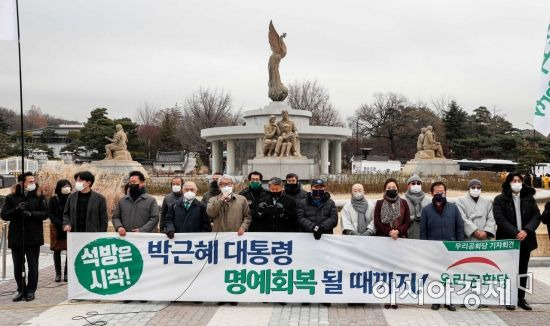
168, 201
254, 198
142, 214
447, 226
324, 215
276, 219
414, 226
34, 230
349, 218
477, 216
505, 215
229, 216
401, 223
181, 220
96, 216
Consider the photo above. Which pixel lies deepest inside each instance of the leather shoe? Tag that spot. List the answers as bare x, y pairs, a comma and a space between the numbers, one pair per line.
29, 297
510, 307
58, 278
524, 305
20, 296
435, 306
450, 307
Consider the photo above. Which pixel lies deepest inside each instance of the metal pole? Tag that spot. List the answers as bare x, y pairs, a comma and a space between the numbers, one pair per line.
4, 245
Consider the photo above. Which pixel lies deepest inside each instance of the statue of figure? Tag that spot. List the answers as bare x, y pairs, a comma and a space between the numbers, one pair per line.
117, 149
291, 136
420, 142
277, 91
271, 132
431, 144
287, 137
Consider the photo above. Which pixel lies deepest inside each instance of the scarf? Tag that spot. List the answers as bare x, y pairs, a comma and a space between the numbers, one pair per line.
416, 200
360, 206
391, 210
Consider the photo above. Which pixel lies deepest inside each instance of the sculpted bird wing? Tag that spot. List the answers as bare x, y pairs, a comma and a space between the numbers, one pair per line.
274, 40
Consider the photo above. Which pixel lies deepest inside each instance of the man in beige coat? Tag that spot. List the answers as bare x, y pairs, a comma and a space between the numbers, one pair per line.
228, 211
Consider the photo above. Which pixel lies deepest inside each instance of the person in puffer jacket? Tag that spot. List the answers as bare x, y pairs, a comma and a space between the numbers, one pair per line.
317, 212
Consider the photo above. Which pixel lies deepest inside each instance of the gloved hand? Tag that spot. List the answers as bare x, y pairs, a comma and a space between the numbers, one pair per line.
21, 206
170, 234
318, 232
261, 208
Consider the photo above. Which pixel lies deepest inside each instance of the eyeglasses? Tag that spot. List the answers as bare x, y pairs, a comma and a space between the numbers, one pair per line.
416, 183
475, 187
224, 184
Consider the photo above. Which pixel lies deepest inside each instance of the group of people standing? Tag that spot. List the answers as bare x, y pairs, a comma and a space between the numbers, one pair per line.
283, 207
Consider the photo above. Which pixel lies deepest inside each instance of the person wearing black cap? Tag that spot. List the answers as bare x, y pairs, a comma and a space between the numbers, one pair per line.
25, 210
254, 194
518, 216
317, 212
477, 212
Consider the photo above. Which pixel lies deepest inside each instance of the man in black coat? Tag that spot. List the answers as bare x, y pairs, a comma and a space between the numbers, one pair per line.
187, 214
85, 210
276, 212
25, 210
317, 212
293, 187
255, 193
518, 216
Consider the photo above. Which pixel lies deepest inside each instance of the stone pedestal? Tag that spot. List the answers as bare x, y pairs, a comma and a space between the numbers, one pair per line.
431, 167
280, 166
119, 167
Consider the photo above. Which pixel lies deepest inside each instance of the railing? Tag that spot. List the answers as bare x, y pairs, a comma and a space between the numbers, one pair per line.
12, 165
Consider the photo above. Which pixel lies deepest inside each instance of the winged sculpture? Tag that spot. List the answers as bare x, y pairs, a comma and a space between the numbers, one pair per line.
277, 90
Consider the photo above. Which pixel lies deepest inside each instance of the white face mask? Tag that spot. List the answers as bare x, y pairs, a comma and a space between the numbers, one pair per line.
176, 188
516, 186
31, 187
227, 190
189, 195
415, 189
358, 195
66, 190
79, 186
475, 192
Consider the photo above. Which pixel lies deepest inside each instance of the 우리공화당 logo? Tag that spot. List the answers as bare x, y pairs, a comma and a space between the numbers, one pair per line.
108, 266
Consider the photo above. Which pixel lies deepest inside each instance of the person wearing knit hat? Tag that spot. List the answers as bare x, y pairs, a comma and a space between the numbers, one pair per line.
416, 199
477, 213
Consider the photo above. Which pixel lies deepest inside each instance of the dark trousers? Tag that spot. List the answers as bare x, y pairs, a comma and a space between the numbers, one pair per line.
524, 255
57, 262
32, 254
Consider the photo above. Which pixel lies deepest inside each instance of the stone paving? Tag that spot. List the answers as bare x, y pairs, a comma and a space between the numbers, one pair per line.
51, 307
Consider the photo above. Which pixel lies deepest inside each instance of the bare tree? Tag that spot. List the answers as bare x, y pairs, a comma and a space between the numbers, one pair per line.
148, 119
310, 96
382, 118
205, 109
441, 103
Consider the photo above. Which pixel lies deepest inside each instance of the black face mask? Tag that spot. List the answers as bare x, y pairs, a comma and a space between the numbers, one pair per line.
276, 194
391, 193
439, 199
136, 191
292, 187
214, 184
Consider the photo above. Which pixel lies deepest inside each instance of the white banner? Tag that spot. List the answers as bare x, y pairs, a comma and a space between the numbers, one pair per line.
290, 267
8, 20
542, 107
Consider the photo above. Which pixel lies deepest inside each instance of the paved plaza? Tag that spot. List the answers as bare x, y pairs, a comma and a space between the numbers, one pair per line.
51, 307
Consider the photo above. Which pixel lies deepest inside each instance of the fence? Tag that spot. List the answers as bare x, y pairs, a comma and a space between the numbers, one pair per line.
12, 165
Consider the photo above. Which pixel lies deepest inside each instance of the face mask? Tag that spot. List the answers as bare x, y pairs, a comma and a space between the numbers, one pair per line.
439, 198
516, 186
475, 192
79, 186
176, 188
189, 195
255, 184
214, 184
276, 194
392, 193
30, 187
318, 193
66, 190
415, 189
227, 190
358, 195
135, 190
